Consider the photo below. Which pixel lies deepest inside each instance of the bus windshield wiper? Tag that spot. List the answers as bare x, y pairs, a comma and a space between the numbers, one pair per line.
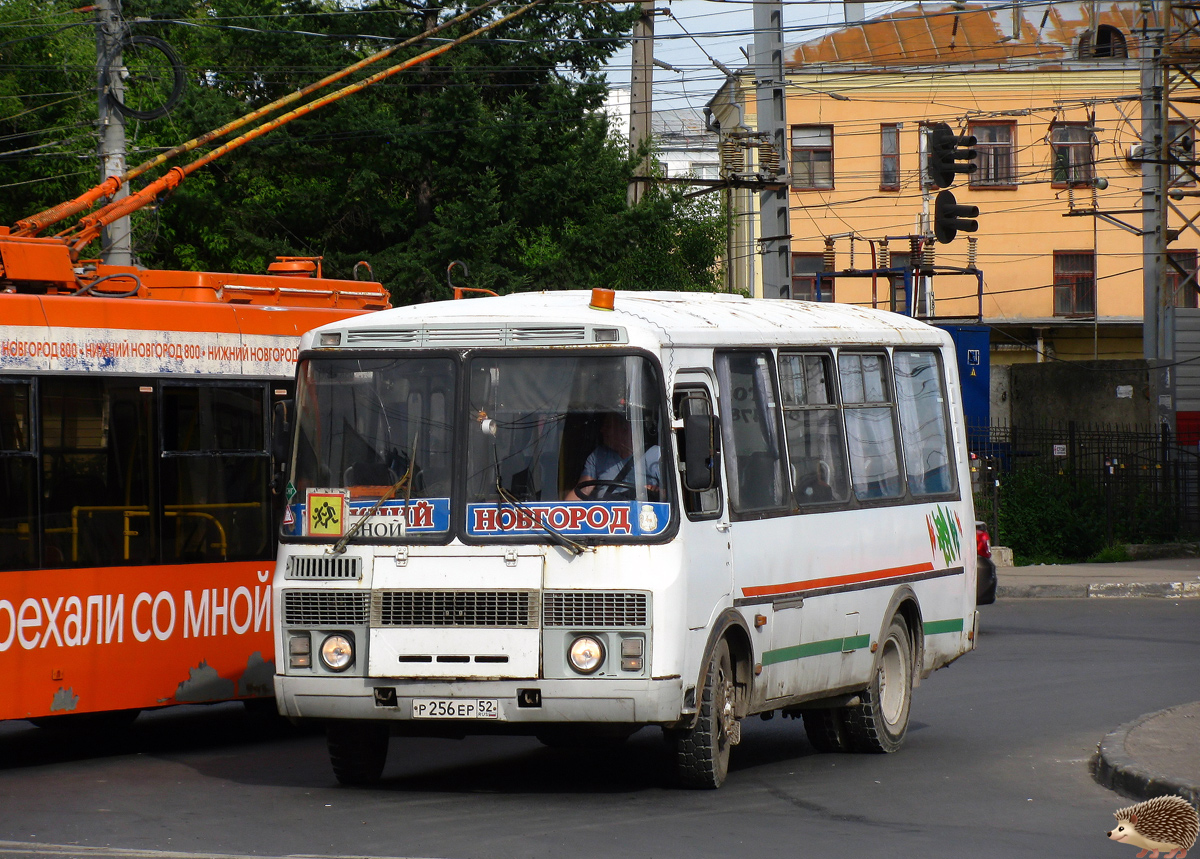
555, 536
405, 481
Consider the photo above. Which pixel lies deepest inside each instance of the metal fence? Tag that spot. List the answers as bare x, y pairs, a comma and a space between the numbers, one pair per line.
1147, 484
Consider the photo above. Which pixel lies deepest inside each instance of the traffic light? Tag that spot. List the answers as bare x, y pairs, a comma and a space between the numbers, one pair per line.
949, 217
946, 150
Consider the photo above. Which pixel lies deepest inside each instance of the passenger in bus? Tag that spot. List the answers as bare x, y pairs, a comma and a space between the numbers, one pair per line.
612, 464
814, 488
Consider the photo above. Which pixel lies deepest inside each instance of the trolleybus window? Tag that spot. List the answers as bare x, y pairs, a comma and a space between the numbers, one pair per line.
870, 427
816, 444
214, 473
17, 476
921, 403
97, 468
750, 421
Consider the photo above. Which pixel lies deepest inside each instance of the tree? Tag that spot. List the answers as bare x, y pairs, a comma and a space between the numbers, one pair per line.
497, 153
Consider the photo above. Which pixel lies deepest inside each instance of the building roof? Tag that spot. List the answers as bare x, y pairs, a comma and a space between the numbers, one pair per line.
959, 33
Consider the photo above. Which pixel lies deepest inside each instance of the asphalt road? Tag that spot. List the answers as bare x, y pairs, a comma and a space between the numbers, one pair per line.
995, 765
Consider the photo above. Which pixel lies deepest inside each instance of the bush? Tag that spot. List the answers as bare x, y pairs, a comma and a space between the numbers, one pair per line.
1047, 517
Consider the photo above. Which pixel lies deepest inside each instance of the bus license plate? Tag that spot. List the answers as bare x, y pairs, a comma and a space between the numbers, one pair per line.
455, 708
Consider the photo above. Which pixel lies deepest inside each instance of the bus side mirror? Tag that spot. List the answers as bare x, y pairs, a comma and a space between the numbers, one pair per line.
700, 453
281, 433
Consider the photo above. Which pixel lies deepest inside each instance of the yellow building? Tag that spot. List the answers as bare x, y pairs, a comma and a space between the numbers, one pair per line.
1052, 96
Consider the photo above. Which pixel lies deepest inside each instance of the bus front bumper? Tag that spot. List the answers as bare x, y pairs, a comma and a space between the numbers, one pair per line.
532, 701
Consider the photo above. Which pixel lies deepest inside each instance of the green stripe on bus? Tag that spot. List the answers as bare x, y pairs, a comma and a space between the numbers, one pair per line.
815, 648
933, 627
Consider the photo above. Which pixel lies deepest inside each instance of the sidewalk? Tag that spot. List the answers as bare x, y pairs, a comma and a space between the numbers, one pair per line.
1154, 755
1158, 753
1168, 577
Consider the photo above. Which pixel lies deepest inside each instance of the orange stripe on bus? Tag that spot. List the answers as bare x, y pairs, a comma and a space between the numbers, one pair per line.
834, 581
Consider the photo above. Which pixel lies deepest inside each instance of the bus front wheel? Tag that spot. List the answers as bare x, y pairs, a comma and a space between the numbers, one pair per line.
881, 721
357, 750
702, 752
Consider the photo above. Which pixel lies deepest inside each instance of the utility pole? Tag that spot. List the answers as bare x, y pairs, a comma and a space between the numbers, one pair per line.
641, 98
116, 245
1157, 340
769, 83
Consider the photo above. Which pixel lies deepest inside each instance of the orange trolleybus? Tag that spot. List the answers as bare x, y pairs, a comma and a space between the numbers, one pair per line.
137, 529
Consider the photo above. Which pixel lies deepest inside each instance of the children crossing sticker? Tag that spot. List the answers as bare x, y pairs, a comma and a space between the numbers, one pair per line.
326, 516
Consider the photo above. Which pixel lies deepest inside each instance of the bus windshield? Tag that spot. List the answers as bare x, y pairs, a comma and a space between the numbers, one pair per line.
554, 444
372, 431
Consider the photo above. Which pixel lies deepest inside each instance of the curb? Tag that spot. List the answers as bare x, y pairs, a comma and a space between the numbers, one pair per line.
1113, 768
1109, 590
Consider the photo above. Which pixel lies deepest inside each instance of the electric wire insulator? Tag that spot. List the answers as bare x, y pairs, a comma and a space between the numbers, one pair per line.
928, 258
914, 247
830, 257
733, 156
971, 251
885, 254
768, 158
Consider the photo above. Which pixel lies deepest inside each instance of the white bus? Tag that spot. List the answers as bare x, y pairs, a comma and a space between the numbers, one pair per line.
577, 514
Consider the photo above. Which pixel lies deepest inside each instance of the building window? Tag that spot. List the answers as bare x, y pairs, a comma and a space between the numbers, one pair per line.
997, 161
1074, 283
812, 156
805, 268
889, 157
1108, 43
1073, 158
1181, 286
705, 169
1181, 140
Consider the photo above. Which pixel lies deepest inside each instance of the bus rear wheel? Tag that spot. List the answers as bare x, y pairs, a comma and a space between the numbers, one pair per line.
357, 751
702, 752
879, 724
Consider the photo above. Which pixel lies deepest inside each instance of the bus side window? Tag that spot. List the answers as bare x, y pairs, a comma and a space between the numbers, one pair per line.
750, 424
692, 402
815, 440
921, 402
870, 425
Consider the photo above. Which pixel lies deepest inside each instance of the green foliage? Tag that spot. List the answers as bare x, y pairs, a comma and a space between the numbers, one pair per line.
495, 153
1051, 516
1114, 554
1046, 517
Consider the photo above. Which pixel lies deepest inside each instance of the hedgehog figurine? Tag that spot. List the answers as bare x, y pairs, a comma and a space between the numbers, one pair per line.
1165, 823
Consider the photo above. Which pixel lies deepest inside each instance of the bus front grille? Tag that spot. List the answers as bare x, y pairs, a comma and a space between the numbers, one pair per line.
604, 609
497, 609
324, 567
325, 608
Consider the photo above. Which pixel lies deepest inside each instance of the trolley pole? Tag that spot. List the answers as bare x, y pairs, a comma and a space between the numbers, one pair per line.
116, 246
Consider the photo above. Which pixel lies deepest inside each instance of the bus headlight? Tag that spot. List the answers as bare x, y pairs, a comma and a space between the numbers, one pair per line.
337, 652
586, 654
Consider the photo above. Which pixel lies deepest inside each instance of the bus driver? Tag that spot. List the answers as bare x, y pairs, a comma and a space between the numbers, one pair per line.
608, 471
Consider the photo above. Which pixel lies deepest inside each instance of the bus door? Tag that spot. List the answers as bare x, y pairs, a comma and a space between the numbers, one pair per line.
707, 550
766, 562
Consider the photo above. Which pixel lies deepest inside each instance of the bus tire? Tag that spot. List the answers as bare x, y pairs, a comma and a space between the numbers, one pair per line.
702, 752
879, 724
357, 750
826, 729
